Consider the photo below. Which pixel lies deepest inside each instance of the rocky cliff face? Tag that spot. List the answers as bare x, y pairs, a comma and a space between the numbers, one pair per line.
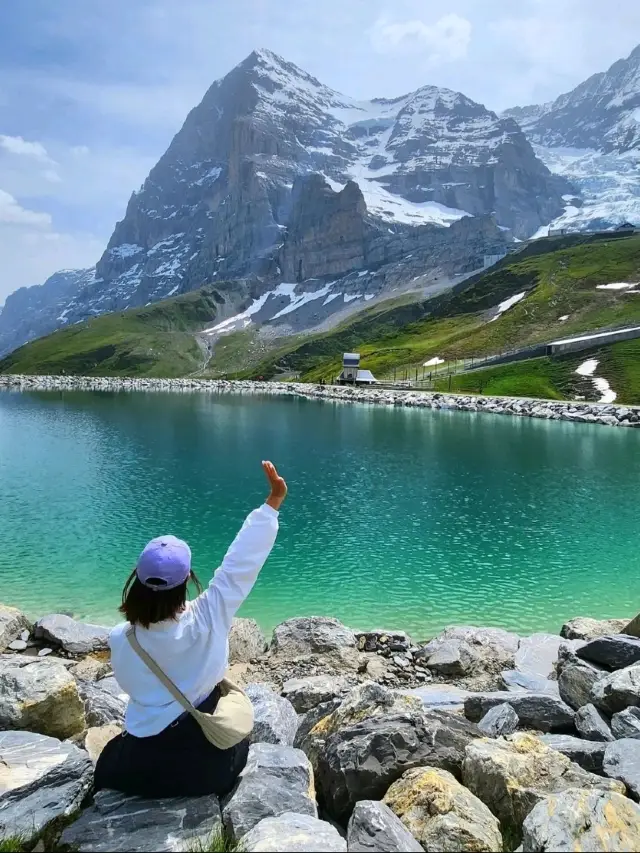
601, 113
591, 137
31, 312
241, 194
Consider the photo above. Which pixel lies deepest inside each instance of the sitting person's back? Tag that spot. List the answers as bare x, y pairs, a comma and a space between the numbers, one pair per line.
163, 751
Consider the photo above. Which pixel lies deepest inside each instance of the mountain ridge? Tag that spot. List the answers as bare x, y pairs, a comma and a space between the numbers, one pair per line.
591, 137
276, 178
220, 203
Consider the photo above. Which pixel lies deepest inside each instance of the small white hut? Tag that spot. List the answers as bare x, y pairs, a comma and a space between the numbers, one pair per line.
351, 372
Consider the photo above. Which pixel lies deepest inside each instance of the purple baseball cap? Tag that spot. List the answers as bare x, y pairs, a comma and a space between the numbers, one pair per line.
165, 563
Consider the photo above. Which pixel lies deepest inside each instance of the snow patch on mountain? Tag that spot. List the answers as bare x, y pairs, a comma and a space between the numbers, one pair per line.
302, 299
587, 369
508, 303
125, 250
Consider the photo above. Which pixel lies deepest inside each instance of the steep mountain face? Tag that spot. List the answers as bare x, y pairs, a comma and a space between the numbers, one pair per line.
275, 177
591, 137
31, 312
603, 112
221, 201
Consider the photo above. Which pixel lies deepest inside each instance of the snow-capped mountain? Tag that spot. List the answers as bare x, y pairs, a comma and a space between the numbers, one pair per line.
31, 312
276, 178
591, 136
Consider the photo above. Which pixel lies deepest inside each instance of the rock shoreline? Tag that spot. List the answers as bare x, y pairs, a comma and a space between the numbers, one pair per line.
505, 740
576, 412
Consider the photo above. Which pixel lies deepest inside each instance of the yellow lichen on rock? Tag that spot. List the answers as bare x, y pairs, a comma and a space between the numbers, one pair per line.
365, 701
578, 820
441, 814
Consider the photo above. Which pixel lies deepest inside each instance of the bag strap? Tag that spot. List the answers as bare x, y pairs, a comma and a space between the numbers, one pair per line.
177, 694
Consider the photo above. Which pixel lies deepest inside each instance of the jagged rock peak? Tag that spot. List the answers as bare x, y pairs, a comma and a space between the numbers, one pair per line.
602, 112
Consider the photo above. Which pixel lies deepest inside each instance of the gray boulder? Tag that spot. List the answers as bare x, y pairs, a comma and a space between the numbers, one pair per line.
90, 669
448, 658
582, 820
275, 718
446, 697
365, 701
41, 781
76, 638
517, 682
583, 628
12, 623
374, 828
617, 690
308, 721
589, 754
576, 681
568, 654
102, 706
537, 654
293, 833
592, 725
626, 723
361, 761
39, 695
539, 711
311, 635
511, 775
276, 779
305, 693
246, 641
465, 651
117, 823
499, 721
614, 652
442, 814
622, 761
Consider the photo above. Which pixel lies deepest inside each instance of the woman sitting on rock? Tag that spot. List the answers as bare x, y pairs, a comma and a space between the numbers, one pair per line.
163, 751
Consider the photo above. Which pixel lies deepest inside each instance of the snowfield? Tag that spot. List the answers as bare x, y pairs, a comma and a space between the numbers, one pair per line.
588, 368
508, 303
609, 185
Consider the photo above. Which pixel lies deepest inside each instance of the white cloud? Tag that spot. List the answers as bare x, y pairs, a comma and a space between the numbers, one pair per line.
31, 255
12, 213
445, 40
52, 219
552, 45
18, 145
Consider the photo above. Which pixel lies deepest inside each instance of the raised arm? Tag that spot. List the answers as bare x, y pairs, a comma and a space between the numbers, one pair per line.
235, 578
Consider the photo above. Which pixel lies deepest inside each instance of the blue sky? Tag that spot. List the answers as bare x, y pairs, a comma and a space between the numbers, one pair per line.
91, 93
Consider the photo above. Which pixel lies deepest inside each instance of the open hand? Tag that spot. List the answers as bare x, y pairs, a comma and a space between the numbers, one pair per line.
278, 486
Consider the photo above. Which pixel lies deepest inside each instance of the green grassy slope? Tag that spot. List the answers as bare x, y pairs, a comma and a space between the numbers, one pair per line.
556, 379
559, 278
157, 340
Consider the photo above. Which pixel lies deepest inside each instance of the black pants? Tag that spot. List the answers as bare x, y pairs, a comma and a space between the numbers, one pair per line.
178, 762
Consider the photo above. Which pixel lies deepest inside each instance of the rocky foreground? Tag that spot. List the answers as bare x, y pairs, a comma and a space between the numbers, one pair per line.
477, 740
553, 410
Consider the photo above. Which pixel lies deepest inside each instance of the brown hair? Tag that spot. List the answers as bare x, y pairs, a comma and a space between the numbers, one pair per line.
144, 606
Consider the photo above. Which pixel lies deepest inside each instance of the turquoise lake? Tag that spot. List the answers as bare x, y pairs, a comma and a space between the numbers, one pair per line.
396, 518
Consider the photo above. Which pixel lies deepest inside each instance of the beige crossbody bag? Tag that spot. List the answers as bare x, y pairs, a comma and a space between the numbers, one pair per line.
232, 720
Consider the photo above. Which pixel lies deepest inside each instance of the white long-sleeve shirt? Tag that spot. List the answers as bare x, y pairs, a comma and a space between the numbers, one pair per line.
193, 650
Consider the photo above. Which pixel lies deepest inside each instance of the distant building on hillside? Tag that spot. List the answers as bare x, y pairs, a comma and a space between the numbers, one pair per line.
557, 232
352, 374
